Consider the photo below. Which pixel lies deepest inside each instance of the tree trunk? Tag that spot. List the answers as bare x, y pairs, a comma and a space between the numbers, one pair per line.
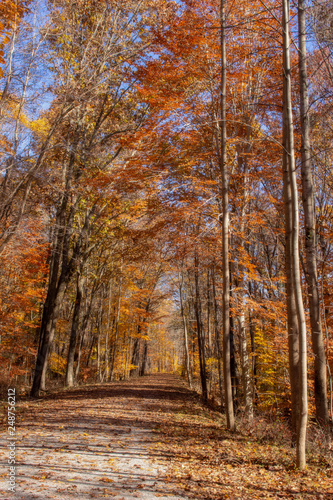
229, 407
246, 378
253, 355
57, 284
200, 333
136, 354
106, 354
92, 343
294, 242
74, 331
144, 359
292, 323
99, 332
217, 338
243, 169
84, 329
99, 371
186, 347
233, 361
115, 342
49, 319
320, 382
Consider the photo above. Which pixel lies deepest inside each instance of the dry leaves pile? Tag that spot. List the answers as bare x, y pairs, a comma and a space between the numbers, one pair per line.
150, 438
210, 463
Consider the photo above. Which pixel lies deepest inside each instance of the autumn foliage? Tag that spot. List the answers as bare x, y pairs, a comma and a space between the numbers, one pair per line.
111, 197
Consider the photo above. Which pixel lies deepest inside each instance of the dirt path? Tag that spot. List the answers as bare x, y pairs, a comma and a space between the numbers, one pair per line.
150, 438
93, 442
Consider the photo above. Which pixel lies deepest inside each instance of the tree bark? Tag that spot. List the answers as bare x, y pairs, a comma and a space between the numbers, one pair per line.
186, 347
99, 328
136, 354
107, 335
294, 242
115, 342
217, 338
243, 169
144, 359
84, 329
320, 379
49, 318
200, 333
225, 236
59, 275
292, 323
74, 331
233, 360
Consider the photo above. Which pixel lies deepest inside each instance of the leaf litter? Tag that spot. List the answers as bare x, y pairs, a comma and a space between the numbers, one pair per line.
147, 438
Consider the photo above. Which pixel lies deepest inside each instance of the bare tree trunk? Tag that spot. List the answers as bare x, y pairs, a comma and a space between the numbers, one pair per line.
182, 311
320, 381
200, 332
241, 281
295, 269
246, 379
144, 359
217, 338
253, 355
57, 284
79, 354
84, 328
136, 354
74, 331
137, 345
292, 323
46, 338
106, 354
99, 332
225, 236
233, 361
209, 308
127, 349
92, 343
99, 372
115, 342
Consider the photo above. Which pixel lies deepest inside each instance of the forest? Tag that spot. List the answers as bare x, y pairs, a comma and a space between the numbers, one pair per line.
166, 200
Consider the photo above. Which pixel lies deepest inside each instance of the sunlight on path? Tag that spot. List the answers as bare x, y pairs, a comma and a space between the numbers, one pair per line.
151, 439
92, 442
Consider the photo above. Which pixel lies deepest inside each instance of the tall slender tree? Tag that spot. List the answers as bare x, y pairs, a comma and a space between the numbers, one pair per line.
320, 379
292, 237
225, 231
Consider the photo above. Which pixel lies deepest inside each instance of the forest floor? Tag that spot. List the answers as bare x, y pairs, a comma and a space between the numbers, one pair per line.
148, 438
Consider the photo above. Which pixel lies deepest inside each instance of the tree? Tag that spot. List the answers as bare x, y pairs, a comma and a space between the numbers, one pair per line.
320, 381
11, 13
292, 239
95, 86
19, 122
225, 234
